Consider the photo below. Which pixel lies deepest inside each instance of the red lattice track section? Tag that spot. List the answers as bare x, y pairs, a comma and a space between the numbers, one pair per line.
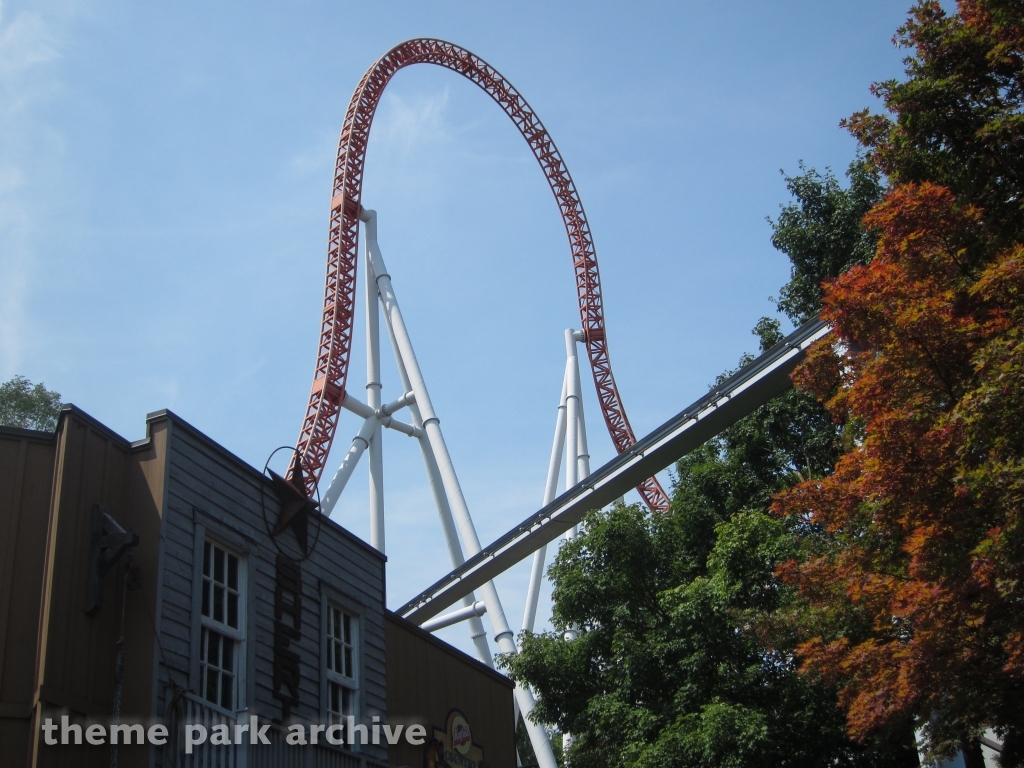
332, 361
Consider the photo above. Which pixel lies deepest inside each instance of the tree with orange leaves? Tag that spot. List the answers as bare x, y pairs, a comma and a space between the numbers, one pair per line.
913, 579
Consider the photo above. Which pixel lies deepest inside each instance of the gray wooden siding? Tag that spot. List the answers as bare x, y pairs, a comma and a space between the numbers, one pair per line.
210, 489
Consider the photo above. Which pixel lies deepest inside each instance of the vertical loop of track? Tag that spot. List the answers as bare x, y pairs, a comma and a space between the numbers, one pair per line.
332, 363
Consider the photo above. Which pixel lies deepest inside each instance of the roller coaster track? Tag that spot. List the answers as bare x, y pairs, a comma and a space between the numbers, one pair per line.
333, 357
731, 400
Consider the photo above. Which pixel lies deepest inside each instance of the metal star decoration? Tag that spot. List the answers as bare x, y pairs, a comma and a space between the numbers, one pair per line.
296, 506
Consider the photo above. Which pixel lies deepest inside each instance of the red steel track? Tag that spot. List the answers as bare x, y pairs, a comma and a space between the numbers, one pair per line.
332, 360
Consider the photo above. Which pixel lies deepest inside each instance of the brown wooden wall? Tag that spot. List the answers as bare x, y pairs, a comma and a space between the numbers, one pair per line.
26, 481
93, 464
55, 658
427, 678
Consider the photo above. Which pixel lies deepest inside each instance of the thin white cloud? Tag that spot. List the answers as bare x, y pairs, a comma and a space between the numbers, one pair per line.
407, 124
29, 50
26, 41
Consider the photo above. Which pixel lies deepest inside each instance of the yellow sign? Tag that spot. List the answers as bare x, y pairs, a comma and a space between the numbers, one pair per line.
453, 747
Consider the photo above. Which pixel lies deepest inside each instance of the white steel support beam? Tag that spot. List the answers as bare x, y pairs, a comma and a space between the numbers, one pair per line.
431, 425
576, 468
396, 405
550, 490
477, 632
373, 420
373, 398
583, 459
579, 459
398, 426
573, 413
476, 609
358, 407
572, 410
348, 464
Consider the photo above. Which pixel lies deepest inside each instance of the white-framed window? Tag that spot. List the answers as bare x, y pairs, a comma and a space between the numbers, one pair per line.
222, 627
341, 665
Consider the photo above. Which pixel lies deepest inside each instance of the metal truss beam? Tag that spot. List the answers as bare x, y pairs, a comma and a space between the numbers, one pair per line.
335, 344
749, 388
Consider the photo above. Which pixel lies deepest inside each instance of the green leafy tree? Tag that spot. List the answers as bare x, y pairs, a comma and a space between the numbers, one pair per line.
918, 588
673, 664
670, 668
903, 569
957, 119
28, 407
821, 232
916, 583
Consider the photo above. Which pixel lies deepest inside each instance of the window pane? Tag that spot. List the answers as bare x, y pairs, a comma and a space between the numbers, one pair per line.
220, 600
213, 652
228, 662
341, 630
211, 685
217, 665
226, 682
339, 702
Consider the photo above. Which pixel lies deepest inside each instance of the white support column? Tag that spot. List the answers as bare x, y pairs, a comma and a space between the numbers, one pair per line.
572, 416
583, 461
550, 490
431, 425
477, 632
373, 396
395, 406
348, 464
577, 458
576, 438
358, 407
476, 609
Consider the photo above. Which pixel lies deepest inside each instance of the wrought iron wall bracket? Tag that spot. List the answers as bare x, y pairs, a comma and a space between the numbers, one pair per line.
109, 542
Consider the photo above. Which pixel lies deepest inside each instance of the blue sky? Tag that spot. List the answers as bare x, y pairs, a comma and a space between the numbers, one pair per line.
165, 175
